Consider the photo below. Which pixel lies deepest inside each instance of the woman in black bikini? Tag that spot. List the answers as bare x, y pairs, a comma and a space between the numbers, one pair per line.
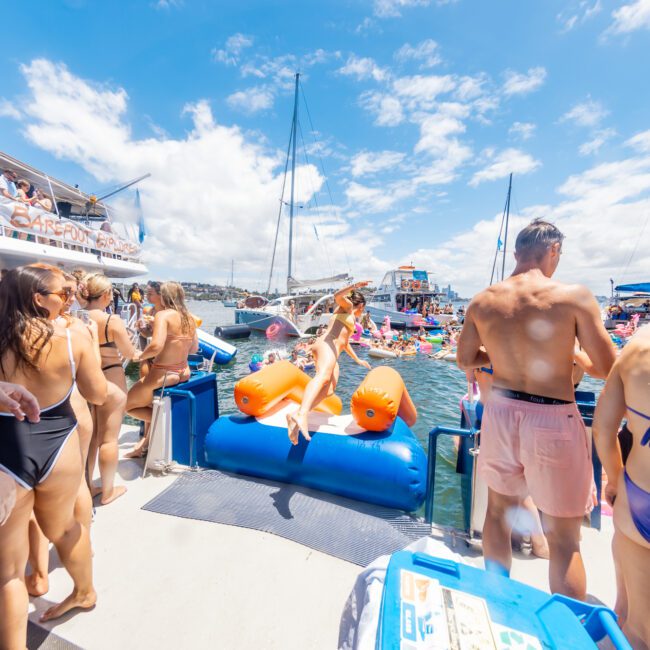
174, 337
43, 458
114, 346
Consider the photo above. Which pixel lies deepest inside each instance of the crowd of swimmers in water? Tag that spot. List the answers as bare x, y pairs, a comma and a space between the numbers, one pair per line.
63, 395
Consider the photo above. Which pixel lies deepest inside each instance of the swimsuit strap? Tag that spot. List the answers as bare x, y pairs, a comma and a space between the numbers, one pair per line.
73, 368
643, 415
645, 440
106, 328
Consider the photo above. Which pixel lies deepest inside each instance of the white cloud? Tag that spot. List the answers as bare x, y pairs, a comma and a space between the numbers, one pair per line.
369, 162
386, 108
522, 130
503, 164
576, 13
630, 17
470, 87
8, 109
168, 4
377, 199
192, 234
587, 113
598, 140
391, 8
233, 48
517, 83
640, 141
426, 52
420, 92
252, 100
363, 68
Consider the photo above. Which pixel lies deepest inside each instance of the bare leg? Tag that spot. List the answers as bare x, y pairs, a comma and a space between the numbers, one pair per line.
497, 530
109, 421
37, 581
528, 523
634, 560
621, 591
566, 569
14, 600
92, 452
54, 510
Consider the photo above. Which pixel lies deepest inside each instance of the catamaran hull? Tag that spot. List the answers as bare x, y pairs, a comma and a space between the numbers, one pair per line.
398, 318
261, 320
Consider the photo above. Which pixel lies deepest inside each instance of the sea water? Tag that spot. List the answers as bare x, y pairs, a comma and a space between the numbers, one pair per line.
436, 388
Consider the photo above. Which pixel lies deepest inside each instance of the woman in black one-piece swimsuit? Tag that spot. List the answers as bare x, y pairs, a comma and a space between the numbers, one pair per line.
43, 458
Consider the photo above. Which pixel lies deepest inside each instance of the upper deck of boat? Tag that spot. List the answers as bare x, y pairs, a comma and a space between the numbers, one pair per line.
167, 582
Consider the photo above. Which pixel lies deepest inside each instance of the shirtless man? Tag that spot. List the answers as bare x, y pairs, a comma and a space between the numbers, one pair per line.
626, 394
533, 440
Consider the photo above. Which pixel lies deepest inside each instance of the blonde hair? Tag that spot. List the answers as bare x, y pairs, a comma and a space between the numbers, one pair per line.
172, 296
96, 285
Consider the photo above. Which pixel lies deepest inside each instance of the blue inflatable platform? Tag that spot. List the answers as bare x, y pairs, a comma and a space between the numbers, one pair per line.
387, 468
433, 603
211, 346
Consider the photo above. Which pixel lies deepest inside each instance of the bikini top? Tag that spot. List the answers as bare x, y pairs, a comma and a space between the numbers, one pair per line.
62, 407
108, 344
347, 320
646, 436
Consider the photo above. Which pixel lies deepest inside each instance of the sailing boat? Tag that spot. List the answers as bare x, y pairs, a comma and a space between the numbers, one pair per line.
291, 315
230, 300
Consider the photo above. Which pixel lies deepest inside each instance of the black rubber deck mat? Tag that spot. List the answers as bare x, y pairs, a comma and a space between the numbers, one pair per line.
38, 638
350, 530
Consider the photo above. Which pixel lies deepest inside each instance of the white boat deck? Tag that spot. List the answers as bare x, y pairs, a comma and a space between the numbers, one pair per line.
166, 582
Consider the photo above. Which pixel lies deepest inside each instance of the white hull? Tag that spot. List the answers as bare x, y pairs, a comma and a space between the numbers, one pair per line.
18, 252
397, 317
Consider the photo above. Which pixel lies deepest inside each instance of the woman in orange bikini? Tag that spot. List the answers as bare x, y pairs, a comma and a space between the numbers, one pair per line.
174, 337
326, 350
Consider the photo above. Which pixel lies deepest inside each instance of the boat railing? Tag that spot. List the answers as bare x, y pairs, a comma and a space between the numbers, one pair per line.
468, 448
54, 241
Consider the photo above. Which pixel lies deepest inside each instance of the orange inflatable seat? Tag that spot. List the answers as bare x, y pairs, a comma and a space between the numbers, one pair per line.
380, 398
261, 391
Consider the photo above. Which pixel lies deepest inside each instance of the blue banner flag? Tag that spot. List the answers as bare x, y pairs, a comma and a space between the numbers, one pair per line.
142, 232
499, 244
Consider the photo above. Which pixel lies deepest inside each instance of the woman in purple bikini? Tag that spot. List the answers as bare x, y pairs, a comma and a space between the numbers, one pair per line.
627, 395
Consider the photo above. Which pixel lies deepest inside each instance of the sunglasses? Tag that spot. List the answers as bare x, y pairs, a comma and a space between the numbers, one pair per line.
64, 294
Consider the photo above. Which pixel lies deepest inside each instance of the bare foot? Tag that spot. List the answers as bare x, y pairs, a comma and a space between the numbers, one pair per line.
117, 492
540, 546
73, 601
139, 451
37, 585
297, 424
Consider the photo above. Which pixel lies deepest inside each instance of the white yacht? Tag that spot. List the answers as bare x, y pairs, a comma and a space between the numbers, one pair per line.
401, 290
76, 234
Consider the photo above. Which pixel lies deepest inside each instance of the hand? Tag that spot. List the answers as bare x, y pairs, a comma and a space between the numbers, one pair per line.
365, 364
19, 401
136, 357
611, 490
7, 496
358, 285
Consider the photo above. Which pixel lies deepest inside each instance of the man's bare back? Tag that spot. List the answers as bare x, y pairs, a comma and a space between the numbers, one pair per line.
528, 325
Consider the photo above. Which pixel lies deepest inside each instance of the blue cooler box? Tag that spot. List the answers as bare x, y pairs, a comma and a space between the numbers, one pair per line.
434, 604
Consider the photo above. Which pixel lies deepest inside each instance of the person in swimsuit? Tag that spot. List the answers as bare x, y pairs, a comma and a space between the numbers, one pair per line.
627, 394
174, 337
44, 458
326, 350
533, 440
115, 346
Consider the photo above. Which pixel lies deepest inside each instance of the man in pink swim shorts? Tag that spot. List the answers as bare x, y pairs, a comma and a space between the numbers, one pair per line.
533, 440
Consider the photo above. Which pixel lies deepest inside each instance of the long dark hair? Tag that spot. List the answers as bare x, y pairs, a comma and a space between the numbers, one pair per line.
25, 328
356, 298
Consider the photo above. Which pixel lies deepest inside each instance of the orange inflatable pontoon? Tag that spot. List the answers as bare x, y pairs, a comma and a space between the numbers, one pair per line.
380, 398
261, 391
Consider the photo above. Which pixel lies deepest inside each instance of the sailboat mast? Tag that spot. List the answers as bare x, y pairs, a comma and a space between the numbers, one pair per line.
505, 238
294, 130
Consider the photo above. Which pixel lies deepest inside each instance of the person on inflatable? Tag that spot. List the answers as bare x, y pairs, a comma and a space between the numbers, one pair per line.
326, 350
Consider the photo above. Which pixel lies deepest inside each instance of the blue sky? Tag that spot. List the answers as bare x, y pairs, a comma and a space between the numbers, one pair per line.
421, 107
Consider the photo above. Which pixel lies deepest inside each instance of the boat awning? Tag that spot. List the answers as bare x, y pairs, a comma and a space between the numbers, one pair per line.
292, 283
63, 193
640, 287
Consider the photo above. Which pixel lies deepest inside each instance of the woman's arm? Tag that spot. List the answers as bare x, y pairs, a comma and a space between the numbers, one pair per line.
195, 343
351, 353
122, 339
610, 410
158, 337
341, 296
90, 378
